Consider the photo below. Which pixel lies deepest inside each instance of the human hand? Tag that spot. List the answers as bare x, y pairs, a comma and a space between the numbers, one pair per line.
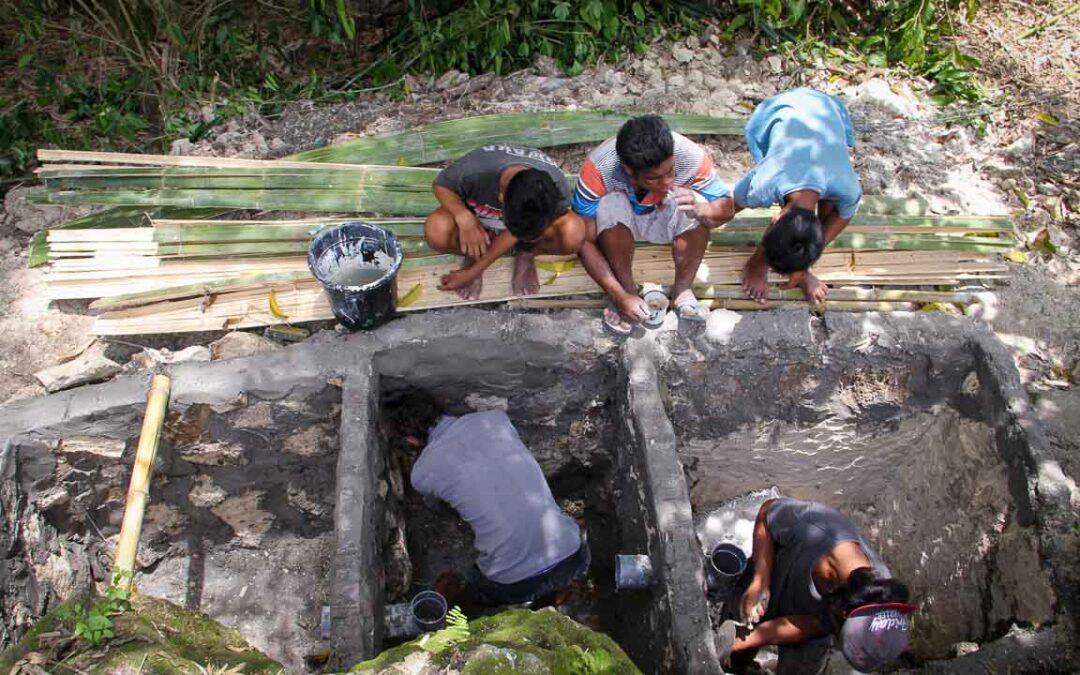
472, 236
692, 204
632, 308
456, 280
755, 602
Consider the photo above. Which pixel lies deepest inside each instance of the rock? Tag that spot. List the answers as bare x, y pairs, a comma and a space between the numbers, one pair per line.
205, 494
1001, 168
310, 441
695, 77
217, 453
1041, 218
492, 659
676, 82
450, 78
724, 97
278, 146
876, 93
52, 497
682, 54
776, 64
714, 82
182, 146
248, 521
553, 84
113, 448
90, 366
545, 65
1021, 147
1008, 185
24, 216
238, 344
151, 358
534, 642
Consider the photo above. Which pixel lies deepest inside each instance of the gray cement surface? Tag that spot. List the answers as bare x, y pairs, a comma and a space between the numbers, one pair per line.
859, 371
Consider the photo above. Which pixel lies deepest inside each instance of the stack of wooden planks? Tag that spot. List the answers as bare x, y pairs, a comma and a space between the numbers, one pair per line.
163, 261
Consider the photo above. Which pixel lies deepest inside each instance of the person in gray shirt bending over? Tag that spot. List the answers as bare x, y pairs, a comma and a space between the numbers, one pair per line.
815, 575
477, 464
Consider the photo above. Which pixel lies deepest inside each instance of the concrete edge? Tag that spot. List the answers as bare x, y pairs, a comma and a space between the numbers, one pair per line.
680, 555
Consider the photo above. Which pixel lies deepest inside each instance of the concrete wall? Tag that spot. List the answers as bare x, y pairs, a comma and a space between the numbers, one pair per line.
785, 366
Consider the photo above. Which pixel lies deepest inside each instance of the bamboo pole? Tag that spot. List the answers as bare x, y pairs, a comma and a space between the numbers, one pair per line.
139, 489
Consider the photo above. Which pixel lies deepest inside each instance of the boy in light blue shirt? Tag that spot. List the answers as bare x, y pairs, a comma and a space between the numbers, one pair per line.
800, 142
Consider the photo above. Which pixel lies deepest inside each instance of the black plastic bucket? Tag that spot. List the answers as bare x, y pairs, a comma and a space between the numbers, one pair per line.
724, 568
356, 263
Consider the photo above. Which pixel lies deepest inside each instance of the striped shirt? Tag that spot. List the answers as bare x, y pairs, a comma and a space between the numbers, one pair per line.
603, 173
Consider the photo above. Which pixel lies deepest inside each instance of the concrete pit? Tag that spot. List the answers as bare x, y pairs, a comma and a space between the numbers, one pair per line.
275, 493
566, 407
239, 523
904, 431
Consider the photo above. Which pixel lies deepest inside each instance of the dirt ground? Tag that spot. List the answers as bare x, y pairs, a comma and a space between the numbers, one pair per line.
1017, 152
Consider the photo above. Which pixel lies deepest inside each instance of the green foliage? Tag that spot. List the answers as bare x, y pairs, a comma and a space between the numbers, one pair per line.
500, 35
94, 624
881, 32
456, 632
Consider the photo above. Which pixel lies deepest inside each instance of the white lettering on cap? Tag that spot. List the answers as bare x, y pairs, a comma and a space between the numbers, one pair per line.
887, 620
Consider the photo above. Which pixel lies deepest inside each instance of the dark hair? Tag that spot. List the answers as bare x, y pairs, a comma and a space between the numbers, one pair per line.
410, 411
644, 142
531, 202
865, 586
795, 242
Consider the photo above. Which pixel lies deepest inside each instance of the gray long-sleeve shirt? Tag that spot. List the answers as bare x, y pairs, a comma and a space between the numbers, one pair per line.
478, 464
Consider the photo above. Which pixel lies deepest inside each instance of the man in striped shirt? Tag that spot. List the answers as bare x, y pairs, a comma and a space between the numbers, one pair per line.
648, 184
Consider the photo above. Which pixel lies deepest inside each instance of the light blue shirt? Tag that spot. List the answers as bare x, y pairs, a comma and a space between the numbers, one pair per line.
799, 141
477, 464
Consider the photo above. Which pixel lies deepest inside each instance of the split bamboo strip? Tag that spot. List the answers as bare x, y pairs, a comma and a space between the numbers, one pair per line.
198, 289
834, 267
453, 138
139, 489
742, 305
305, 301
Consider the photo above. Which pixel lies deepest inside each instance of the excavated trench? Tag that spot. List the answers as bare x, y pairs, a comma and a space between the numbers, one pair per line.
566, 409
270, 507
899, 441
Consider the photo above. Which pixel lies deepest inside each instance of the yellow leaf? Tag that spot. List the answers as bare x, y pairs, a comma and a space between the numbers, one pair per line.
275, 308
556, 266
1017, 257
412, 296
1047, 118
939, 307
401, 161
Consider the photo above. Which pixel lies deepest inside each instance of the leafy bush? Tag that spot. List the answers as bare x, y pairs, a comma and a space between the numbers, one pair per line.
500, 35
883, 32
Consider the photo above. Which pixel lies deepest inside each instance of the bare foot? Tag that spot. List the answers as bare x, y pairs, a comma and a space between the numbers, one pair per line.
471, 291
525, 280
813, 289
756, 279
463, 283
